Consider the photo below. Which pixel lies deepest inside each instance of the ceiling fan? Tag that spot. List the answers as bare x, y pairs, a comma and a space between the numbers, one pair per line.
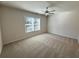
47, 12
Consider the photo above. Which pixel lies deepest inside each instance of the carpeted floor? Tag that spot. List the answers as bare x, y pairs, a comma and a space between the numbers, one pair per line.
42, 46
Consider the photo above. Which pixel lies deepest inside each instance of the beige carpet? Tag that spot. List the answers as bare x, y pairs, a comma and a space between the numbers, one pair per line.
42, 46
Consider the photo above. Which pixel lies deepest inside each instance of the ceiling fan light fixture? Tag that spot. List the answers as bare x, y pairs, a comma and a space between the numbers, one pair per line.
46, 14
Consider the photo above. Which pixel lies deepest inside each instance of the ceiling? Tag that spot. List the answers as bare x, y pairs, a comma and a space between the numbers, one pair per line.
38, 6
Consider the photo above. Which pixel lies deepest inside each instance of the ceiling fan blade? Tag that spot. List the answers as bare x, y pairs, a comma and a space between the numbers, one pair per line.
41, 11
52, 11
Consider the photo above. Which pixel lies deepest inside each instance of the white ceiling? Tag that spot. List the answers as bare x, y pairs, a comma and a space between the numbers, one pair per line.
37, 6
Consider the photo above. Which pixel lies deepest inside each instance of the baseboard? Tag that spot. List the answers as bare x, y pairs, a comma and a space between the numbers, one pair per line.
74, 39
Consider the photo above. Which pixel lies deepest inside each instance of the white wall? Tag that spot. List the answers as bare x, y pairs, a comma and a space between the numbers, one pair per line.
65, 24
13, 24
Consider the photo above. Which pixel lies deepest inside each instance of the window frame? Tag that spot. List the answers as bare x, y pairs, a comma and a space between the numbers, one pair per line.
35, 18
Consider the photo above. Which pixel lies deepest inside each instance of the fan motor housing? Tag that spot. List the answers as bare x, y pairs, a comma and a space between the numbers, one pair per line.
46, 11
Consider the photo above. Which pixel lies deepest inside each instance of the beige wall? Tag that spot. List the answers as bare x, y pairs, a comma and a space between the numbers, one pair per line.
0, 32
65, 24
13, 24
0, 40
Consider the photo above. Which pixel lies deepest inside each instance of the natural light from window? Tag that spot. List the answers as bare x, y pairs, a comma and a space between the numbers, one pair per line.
32, 24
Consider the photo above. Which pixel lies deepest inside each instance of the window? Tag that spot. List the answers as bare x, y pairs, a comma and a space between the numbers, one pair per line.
32, 24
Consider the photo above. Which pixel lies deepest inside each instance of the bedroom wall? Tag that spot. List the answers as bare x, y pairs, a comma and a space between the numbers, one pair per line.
0, 40
13, 24
0, 33
64, 23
